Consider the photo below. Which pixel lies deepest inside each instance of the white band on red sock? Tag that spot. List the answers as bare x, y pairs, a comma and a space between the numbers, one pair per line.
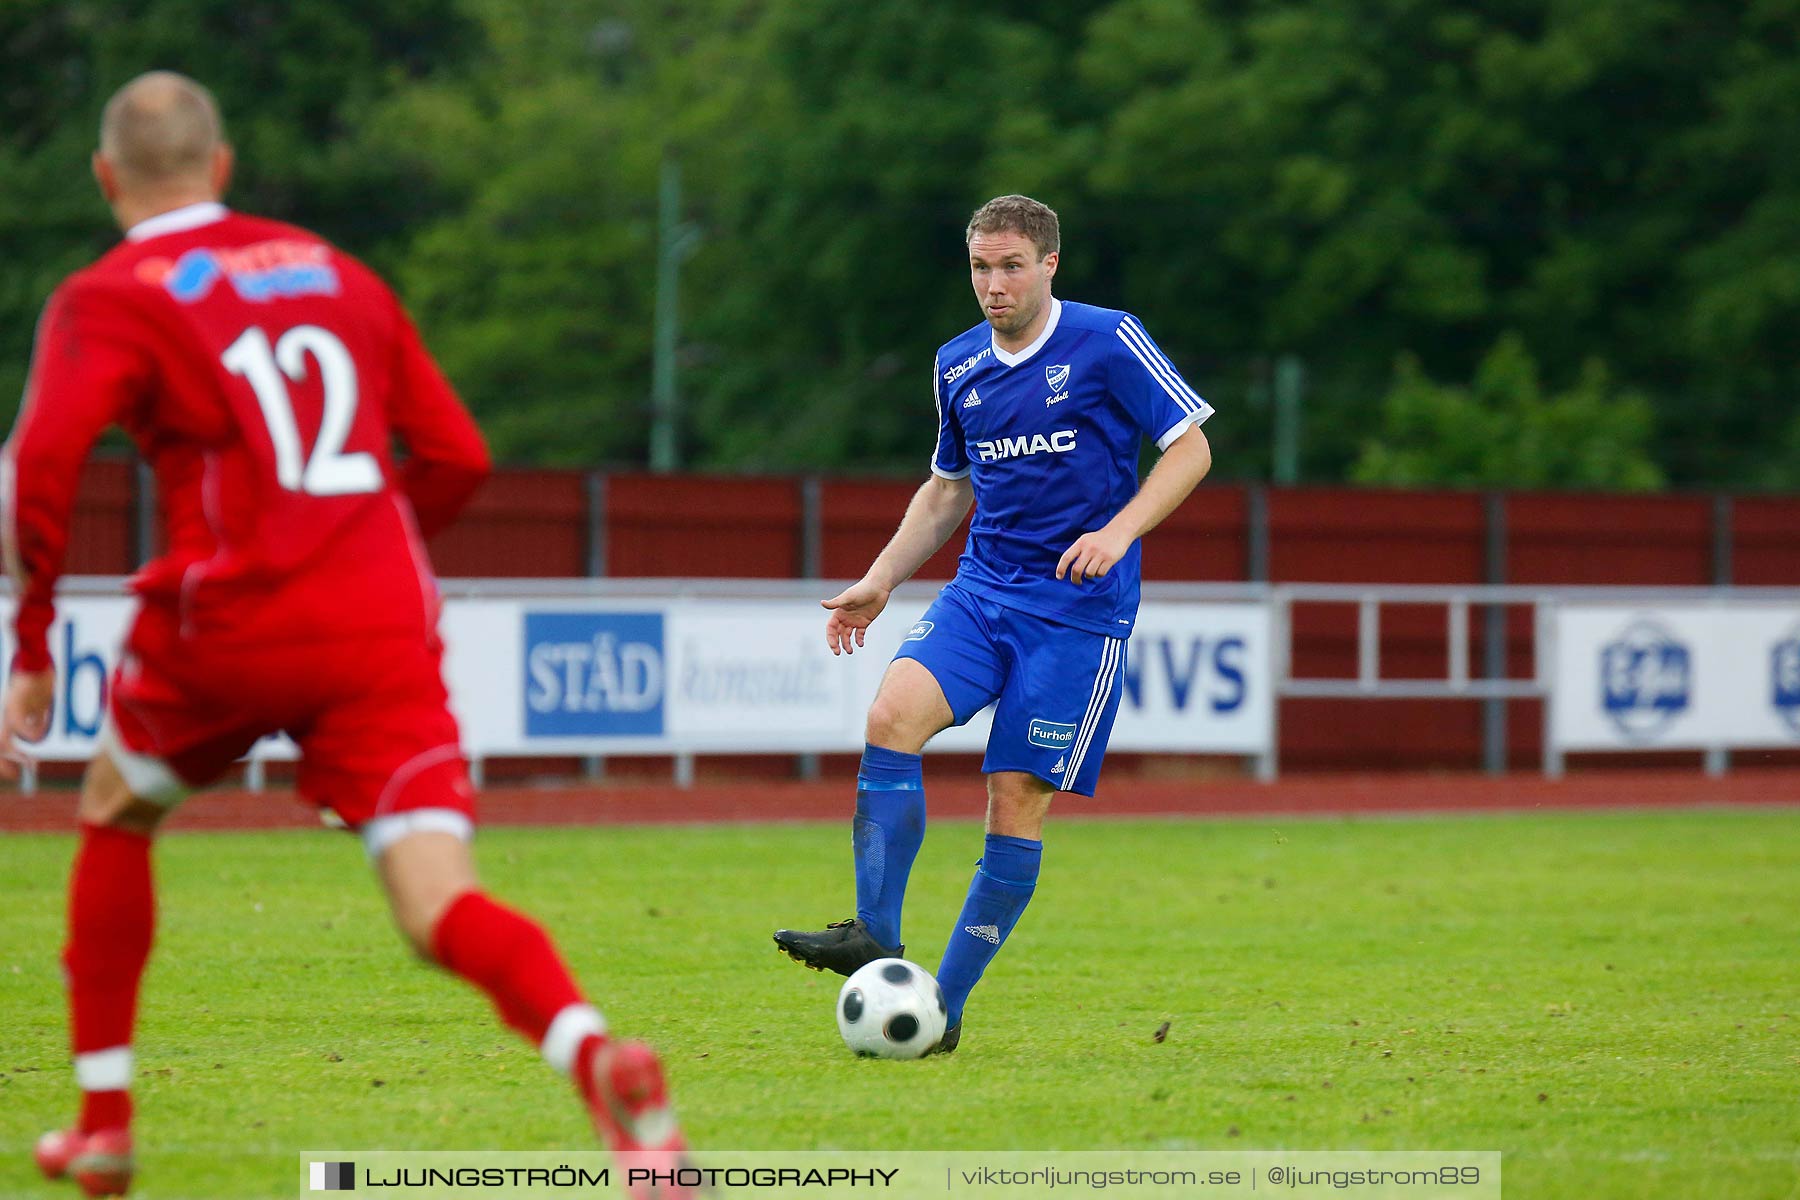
572, 1026
104, 1070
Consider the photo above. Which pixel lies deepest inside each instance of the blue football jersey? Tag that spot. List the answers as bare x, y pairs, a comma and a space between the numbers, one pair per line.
1049, 439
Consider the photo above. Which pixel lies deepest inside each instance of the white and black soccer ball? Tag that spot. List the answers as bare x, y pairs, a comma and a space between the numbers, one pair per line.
891, 1008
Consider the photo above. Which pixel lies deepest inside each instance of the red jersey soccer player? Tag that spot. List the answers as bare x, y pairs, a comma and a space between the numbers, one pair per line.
263, 375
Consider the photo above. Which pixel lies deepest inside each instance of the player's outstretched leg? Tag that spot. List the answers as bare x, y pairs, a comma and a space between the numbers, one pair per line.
888, 830
430, 878
1005, 877
112, 922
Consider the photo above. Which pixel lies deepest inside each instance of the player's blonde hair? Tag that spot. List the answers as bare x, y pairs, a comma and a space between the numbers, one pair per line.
162, 127
1018, 214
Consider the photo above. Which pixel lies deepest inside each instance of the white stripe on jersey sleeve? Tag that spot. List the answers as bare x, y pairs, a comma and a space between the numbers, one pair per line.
1142, 338
1159, 367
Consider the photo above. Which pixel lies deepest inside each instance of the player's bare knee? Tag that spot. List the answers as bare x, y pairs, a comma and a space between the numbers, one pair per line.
106, 799
908, 710
892, 725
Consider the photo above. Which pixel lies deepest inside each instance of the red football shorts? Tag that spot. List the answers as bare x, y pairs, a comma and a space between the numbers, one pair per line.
370, 714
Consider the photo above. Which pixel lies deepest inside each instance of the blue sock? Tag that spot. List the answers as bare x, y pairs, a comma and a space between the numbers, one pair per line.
889, 828
1004, 880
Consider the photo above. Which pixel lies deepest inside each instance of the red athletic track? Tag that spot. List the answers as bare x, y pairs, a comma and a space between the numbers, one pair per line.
637, 802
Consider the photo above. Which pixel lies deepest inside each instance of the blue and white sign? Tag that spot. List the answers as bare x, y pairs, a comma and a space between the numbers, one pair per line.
594, 674
1696, 676
669, 675
1646, 679
1784, 679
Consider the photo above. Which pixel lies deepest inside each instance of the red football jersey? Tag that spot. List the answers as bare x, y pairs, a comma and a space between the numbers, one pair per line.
264, 375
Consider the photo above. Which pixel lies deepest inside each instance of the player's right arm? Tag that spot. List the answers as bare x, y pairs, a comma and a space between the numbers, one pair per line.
935, 511
86, 371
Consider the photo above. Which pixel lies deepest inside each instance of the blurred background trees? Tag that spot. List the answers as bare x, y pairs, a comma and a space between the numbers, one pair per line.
1543, 243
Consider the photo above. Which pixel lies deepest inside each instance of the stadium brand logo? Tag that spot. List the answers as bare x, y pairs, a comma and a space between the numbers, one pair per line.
972, 400
1057, 376
594, 674
333, 1176
1052, 735
1646, 679
1060, 442
259, 273
920, 630
965, 366
1784, 679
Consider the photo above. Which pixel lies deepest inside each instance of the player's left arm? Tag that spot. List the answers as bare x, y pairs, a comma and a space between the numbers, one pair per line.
1180, 469
86, 370
449, 458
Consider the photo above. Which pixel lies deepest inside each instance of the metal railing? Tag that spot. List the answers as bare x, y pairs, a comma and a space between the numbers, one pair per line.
1495, 686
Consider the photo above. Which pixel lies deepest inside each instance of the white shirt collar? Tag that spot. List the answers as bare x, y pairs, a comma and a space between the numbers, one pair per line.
1011, 359
177, 220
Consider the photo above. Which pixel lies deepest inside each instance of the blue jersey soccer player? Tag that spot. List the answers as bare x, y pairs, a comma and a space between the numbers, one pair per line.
1042, 409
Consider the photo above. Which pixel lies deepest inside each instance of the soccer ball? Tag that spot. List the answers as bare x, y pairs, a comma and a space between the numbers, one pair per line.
891, 1009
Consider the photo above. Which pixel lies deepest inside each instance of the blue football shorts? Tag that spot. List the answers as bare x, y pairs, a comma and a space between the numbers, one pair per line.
1058, 687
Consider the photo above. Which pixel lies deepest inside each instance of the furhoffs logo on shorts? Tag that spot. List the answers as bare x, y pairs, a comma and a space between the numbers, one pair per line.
1051, 735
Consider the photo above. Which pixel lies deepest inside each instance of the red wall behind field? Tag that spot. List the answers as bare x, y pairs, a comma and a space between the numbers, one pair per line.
1330, 535
562, 523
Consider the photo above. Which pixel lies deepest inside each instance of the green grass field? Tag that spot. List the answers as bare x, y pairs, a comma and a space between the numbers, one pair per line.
1612, 1000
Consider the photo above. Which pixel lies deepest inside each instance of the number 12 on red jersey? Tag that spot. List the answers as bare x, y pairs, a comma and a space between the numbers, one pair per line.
328, 471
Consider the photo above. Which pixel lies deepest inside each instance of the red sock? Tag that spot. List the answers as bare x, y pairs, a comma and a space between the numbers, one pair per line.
112, 921
509, 957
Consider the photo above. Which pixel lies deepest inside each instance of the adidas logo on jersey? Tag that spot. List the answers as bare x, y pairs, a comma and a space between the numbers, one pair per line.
1061, 763
987, 933
1060, 442
972, 400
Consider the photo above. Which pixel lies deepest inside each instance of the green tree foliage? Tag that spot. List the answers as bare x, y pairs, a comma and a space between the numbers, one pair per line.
1502, 431
1613, 183
294, 81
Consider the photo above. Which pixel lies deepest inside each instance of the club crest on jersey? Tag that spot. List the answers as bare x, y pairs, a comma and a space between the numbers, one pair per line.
1057, 376
1060, 442
265, 271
